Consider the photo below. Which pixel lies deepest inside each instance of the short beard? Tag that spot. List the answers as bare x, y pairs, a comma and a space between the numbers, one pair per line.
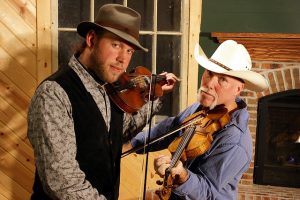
204, 89
97, 65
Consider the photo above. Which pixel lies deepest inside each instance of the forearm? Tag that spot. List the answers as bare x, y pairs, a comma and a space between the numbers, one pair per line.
162, 128
134, 123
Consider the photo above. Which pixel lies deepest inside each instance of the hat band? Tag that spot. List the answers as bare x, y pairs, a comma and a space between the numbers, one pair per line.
130, 31
220, 64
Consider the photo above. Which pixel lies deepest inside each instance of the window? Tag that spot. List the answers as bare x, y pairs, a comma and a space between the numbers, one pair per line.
164, 31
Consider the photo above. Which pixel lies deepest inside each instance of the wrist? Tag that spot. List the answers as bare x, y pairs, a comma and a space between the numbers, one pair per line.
181, 179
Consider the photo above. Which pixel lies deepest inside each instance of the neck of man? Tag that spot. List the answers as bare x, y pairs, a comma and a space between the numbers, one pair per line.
83, 61
232, 107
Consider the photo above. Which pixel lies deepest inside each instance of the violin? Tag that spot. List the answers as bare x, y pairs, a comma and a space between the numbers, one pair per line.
132, 90
195, 141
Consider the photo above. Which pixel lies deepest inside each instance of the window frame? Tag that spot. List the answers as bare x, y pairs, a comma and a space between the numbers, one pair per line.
190, 31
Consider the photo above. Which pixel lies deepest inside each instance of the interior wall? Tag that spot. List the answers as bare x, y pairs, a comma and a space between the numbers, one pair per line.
25, 60
255, 16
18, 79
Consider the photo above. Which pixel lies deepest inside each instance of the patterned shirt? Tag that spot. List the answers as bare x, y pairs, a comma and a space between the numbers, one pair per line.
52, 135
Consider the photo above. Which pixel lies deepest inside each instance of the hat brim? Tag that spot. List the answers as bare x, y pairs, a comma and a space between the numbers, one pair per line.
253, 81
84, 27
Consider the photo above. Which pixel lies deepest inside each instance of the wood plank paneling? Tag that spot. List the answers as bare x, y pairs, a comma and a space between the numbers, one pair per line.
18, 50
15, 170
16, 73
17, 148
11, 190
13, 95
14, 22
26, 10
18, 80
13, 119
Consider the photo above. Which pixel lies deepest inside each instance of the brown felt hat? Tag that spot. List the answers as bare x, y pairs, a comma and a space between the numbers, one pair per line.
118, 19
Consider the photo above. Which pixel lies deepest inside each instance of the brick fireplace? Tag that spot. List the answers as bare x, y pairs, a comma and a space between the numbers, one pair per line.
277, 58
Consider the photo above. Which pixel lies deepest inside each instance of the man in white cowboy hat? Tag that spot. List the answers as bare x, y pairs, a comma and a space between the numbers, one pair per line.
215, 173
74, 128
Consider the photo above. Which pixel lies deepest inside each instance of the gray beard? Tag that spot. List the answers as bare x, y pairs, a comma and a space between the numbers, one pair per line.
214, 104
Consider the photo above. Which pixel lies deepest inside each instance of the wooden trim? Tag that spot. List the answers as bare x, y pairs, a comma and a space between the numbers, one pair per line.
192, 65
277, 47
44, 63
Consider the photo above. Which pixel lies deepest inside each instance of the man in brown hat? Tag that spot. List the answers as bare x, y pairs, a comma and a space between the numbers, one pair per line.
75, 129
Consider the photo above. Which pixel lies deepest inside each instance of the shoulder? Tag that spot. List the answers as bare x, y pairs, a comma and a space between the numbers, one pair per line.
49, 93
235, 135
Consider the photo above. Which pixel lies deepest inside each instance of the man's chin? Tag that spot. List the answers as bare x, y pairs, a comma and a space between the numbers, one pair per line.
112, 79
211, 105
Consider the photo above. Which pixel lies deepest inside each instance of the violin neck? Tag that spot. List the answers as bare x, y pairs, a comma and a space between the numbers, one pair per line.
187, 135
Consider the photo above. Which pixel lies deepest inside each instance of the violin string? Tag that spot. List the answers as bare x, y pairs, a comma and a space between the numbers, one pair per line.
187, 134
183, 143
147, 139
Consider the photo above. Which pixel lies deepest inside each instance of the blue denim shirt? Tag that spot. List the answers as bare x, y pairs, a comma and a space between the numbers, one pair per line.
215, 174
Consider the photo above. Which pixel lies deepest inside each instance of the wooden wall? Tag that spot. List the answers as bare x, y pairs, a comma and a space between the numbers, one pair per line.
24, 61
18, 79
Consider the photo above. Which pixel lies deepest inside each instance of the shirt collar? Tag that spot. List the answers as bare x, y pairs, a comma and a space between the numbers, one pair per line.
87, 79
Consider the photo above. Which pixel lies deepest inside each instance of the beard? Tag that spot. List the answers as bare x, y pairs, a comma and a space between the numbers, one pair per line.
97, 66
199, 97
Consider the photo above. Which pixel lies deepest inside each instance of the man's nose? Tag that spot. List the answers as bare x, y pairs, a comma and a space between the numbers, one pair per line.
212, 82
122, 55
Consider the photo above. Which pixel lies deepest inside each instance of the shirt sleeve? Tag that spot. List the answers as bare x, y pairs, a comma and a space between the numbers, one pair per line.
135, 122
218, 171
166, 126
51, 133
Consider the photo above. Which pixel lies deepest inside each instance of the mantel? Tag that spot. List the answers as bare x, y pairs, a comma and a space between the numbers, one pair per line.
277, 47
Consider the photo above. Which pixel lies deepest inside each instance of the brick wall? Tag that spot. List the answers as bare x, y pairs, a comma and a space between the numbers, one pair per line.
281, 76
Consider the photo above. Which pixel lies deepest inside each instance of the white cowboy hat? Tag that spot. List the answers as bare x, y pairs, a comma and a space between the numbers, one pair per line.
232, 59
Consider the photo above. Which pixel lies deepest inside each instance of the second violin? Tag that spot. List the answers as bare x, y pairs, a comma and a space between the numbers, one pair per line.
132, 90
195, 141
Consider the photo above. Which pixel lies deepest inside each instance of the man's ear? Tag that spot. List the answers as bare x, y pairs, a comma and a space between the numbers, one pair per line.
90, 38
240, 88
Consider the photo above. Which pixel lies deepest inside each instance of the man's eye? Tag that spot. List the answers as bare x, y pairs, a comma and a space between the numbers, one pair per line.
130, 51
222, 79
209, 73
116, 45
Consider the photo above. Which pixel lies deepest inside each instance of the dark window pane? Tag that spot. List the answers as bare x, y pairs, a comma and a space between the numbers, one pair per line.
68, 42
168, 53
145, 8
141, 58
99, 3
168, 59
169, 15
71, 13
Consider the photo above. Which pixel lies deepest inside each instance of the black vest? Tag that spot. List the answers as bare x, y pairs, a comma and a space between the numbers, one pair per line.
98, 151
